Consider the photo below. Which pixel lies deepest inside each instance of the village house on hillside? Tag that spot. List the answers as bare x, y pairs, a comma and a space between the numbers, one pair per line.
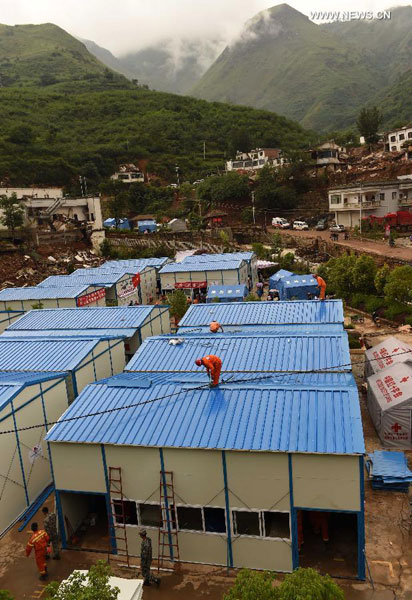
395, 140
256, 159
48, 205
329, 155
350, 203
128, 174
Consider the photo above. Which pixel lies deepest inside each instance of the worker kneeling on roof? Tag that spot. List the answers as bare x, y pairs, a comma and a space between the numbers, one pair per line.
215, 326
213, 366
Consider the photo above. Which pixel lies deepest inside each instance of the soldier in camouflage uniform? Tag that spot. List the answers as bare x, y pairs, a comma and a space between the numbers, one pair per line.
50, 527
146, 559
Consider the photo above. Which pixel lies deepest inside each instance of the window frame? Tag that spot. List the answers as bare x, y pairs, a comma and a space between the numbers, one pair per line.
261, 512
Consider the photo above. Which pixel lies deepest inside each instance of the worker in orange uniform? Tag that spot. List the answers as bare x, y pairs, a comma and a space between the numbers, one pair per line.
213, 366
215, 326
322, 286
320, 524
39, 541
299, 520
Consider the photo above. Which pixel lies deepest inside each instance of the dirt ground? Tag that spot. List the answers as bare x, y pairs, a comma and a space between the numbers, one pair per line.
388, 541
402, 250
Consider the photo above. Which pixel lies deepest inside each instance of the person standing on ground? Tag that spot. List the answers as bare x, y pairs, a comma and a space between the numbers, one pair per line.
213, 366
39, 541
322, 286
146, 559
50, 527
259, 289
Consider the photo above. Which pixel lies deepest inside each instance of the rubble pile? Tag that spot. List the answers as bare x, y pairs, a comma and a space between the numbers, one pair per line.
21, 270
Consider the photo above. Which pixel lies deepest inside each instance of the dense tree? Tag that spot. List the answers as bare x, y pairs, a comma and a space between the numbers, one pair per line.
381, 278
368, 123
363, 274
399, 284
252, 585
273, 191
80, 586
21, 134
228, 188
178, 304
13, 213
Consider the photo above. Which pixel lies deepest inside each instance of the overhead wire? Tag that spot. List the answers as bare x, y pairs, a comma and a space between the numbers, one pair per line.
273, 374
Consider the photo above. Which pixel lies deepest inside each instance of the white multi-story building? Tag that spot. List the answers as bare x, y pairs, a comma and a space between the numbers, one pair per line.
395, 140
351, 203
42, 205
256, 159
328, 154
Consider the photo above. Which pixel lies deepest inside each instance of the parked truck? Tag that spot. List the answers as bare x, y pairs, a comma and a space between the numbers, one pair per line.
400, 220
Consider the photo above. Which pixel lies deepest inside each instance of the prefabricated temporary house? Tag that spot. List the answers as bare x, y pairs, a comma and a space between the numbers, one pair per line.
226, 293
7, 317
112, 223
71, 294
248, 466
385, 354
235, 316
297, 287
156, 262
389, 403
83, 360
250, 259
191, 277
245, 353
132, 323
26, 399
276, 277
143, 278
120, 287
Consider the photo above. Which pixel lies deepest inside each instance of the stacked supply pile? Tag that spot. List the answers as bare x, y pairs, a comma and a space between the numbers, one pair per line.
389, 471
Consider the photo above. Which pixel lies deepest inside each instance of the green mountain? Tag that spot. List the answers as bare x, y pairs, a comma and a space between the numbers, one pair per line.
46, 55
107, 58
319, 75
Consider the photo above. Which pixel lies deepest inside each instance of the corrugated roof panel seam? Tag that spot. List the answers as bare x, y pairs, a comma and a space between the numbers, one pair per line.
43, 355
42, 293
206, 266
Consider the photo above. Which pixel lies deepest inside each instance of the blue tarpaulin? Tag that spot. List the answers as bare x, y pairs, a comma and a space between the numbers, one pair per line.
121, 223
227, 293
274, 279
147, 225
389, 470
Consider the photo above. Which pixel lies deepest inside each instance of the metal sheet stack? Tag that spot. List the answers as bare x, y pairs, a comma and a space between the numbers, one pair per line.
389, 471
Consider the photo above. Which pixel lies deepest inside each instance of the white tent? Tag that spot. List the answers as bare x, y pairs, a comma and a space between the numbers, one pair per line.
389, 352
390, 404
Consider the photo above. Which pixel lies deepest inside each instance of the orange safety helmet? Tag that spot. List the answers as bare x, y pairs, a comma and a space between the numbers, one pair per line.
198, 361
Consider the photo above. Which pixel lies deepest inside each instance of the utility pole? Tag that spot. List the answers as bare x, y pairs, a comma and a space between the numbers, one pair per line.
253, 208
177, 176
204, 150
360, 209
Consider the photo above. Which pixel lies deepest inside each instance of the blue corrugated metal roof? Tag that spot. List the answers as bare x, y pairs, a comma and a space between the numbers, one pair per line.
264, 313
133, 262
243, 352
107, 318
100, 279
184, 267
42, 293
227, 291
246, 256
274, 279
123, 269
12, 384
231, 417
298, 281
43, 355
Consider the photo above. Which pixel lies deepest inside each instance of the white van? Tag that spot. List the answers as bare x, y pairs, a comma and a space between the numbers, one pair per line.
300, 225
280, 223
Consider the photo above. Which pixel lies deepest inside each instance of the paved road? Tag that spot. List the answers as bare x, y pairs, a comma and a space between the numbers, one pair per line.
376, 247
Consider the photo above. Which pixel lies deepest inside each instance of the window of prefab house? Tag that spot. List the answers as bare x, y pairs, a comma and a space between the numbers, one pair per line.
190, 518
150, 515
401, 136
246, 523
215, 519
125, 512
276, 524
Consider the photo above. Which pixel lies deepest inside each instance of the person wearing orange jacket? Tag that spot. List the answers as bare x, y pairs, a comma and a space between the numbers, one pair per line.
322, 286
213, 366
39, 541
215, 326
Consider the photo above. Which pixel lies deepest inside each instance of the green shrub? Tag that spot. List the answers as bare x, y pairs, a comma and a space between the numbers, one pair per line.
373, 303
357, 300
393, 310
408, 321
349, 326
354, 342
252, 298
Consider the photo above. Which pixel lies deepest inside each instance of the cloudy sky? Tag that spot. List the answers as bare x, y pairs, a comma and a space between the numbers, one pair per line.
125, 25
